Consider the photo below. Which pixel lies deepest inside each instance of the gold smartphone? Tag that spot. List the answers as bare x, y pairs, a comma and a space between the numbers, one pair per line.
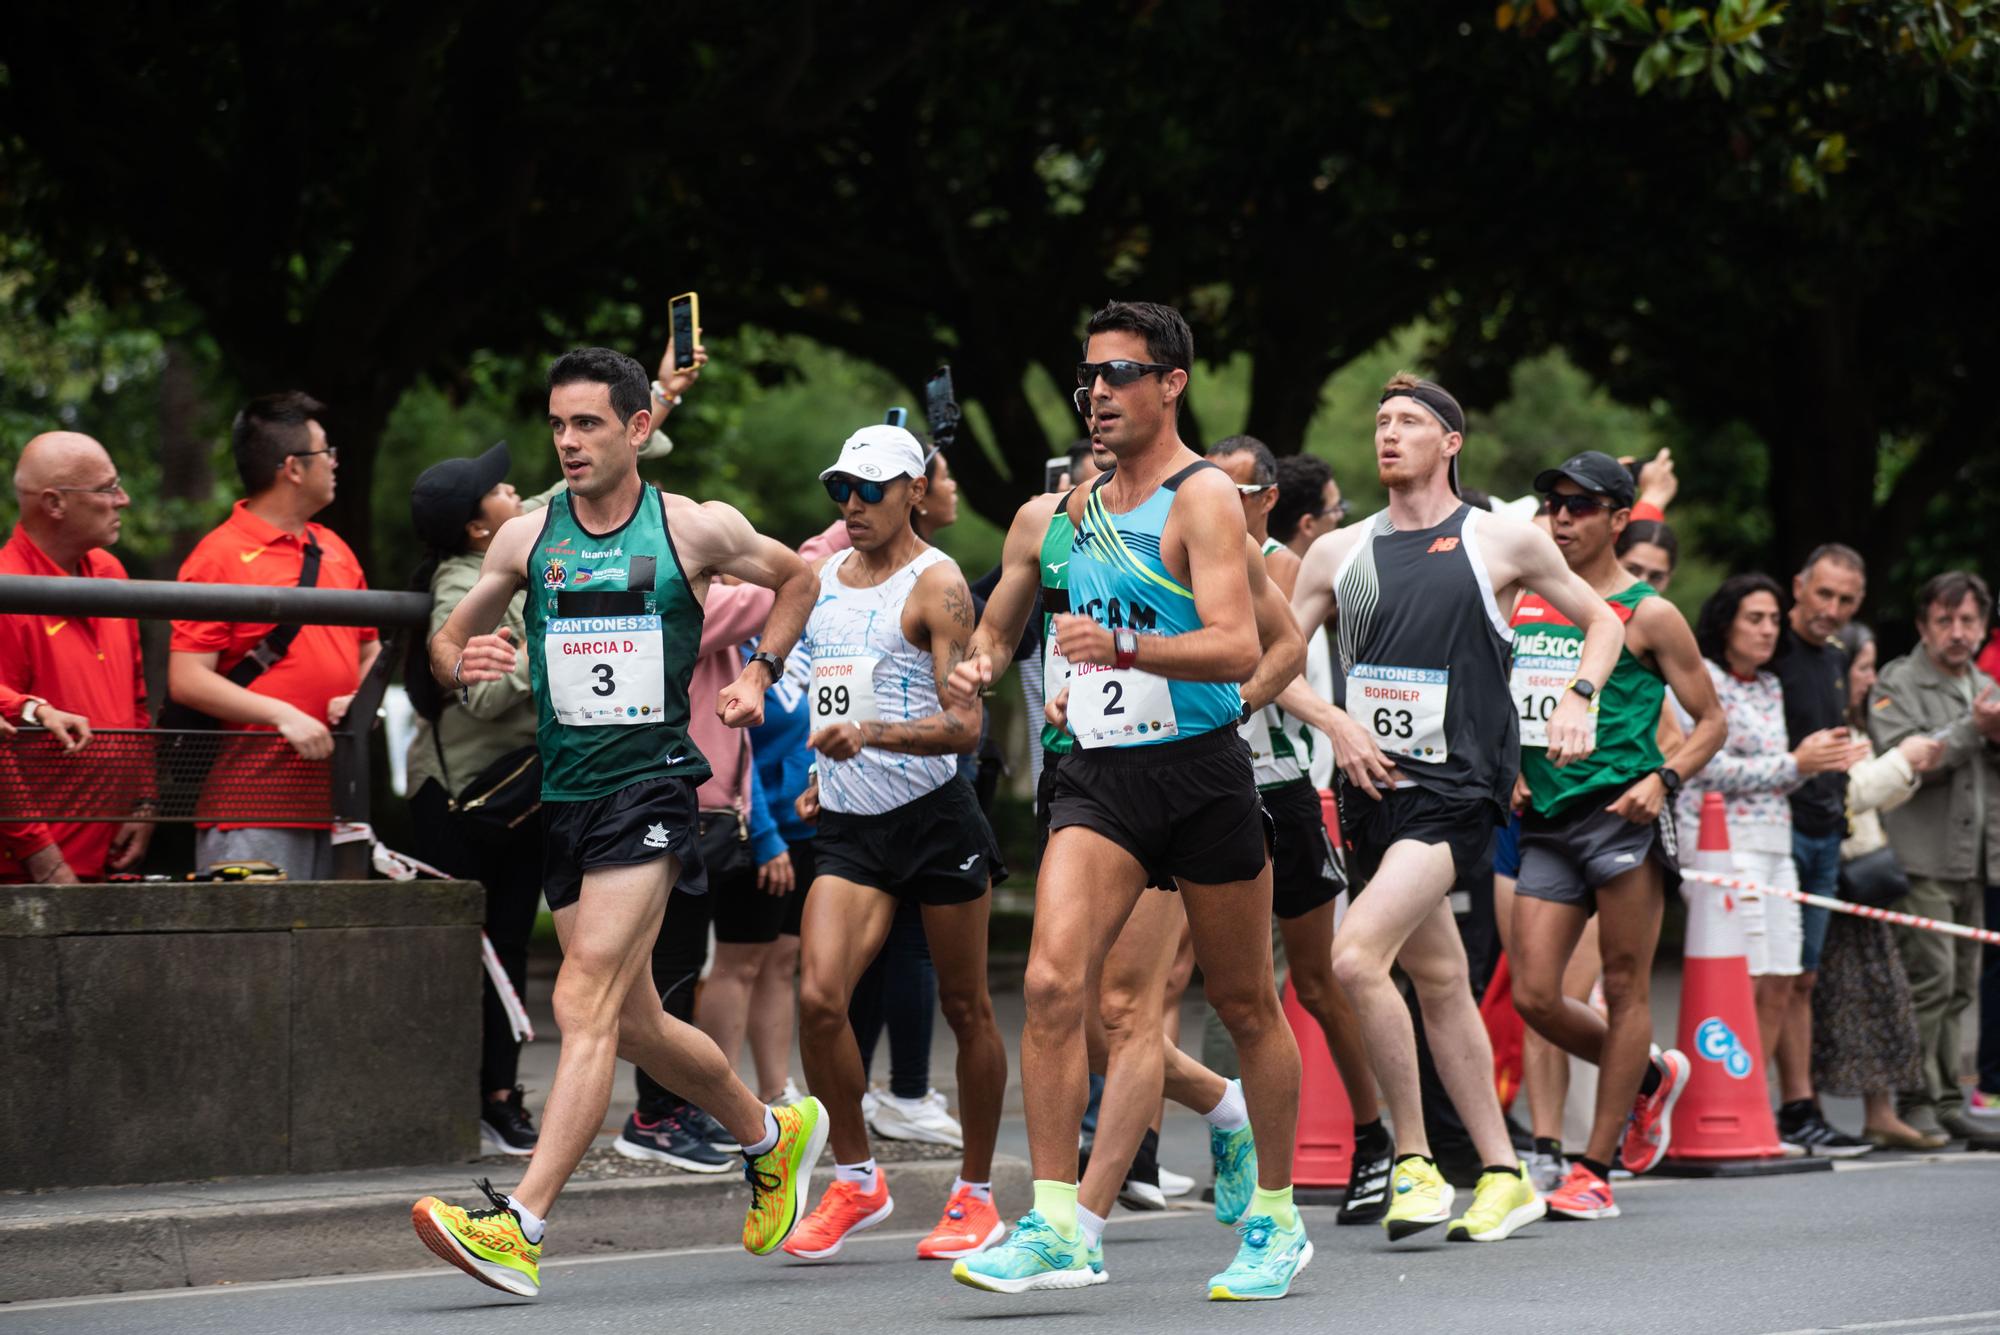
687, 320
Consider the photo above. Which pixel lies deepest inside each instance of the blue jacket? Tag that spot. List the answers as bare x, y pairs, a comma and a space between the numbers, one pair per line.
778, 746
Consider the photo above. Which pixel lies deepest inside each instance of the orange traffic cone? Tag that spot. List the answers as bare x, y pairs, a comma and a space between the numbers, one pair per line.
1723, 1125
1324, 1152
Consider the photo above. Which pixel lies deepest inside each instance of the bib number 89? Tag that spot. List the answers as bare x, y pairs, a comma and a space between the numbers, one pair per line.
1397, 723
831, 700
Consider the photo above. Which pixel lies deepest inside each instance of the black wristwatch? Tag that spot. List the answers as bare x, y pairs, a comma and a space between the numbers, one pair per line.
1247, 714
1670, 779
1583, 687
772, 664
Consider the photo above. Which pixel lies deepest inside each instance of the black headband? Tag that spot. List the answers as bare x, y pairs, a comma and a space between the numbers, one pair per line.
1441, 404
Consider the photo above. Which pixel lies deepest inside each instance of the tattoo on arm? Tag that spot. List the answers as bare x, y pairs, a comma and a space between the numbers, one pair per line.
958, 605
945, 733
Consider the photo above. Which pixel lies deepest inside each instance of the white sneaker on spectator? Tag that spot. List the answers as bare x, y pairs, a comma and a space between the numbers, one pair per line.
925, 1119
1546, 1171
792, 1095
1173, 1185
869, 1103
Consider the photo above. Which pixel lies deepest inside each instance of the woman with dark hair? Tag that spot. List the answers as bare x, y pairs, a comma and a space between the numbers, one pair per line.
1864, 1025
457, 507
1649, 551
1755, 771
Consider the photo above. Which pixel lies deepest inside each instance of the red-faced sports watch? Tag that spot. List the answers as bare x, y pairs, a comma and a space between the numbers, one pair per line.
1125, 644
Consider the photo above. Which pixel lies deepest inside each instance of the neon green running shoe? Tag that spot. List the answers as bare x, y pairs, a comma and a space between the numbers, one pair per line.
781, 1178
1033, 1257
1234, 1154
486, 1244
1419, 1198
1266, 1264
1501, 1203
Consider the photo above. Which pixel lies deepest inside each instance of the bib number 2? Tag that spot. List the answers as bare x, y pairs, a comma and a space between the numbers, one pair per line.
1109, 707
606, 671
1403, 707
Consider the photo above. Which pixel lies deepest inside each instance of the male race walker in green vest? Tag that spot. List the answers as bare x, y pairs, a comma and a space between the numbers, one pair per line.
617, 572
1597, 835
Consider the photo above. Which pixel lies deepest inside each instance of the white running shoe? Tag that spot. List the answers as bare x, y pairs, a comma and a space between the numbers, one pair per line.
869, 1103
1173, 1186
925, 1119
1546, 1171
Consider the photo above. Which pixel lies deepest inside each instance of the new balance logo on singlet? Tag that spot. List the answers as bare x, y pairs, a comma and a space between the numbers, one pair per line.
1442, 545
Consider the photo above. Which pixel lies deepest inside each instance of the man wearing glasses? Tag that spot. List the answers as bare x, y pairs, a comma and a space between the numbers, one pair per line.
1159, 629
896, 824
1597, 835
70, 673
287, 467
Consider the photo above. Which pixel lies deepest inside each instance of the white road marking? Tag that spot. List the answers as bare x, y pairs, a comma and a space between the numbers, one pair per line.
1943, 1325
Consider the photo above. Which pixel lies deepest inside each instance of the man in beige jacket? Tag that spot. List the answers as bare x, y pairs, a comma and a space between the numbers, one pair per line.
1947, 836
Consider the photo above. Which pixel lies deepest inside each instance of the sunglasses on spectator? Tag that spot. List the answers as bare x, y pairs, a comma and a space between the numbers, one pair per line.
1579, 504
112, 488
1252, 488
840, 488
332, 454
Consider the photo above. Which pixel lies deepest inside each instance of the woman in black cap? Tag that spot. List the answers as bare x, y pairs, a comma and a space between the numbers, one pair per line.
474, 775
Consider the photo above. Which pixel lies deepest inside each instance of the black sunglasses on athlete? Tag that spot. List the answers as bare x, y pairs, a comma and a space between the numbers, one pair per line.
1578, 504
840, 488
1117, 374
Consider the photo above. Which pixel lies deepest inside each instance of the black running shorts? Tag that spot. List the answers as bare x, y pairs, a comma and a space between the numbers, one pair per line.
1305, 873
641, 822
1185, 809
937, 849
1567, 856
1466, 827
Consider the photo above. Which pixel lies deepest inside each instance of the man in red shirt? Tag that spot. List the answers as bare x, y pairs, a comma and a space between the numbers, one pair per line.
287, 467
70, 670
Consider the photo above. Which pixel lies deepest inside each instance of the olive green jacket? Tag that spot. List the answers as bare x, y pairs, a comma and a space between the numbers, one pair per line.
1950, 831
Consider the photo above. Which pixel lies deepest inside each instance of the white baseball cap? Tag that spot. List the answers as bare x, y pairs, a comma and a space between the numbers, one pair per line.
878, 453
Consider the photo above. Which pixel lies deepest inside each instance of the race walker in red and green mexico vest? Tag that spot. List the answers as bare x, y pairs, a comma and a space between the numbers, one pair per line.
613, 633
1547, 649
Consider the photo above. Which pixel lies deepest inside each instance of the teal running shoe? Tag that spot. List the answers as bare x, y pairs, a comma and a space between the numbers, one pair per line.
1266, 1264
1033, 1257
1234, 1154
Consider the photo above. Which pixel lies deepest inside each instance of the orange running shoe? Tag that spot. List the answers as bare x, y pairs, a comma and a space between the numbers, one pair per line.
969, 1226
841, 1212
1649, 1134
1582, 1195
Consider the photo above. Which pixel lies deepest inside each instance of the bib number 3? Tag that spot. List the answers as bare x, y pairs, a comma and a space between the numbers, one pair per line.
606, 671
1404, 708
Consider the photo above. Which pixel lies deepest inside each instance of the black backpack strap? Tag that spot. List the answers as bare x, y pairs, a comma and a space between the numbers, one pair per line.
279, 642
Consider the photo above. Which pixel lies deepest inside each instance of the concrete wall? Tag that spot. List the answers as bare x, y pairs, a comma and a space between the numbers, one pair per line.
169, 1032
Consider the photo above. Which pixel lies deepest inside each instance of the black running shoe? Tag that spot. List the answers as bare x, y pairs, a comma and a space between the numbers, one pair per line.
1368, 1179
1800, 1124
710, 1130
1141, 1190
504, 1125
669, 1141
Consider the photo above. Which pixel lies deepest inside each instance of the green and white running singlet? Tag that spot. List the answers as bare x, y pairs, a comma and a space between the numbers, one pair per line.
1273, 759
1547, 650
1055, 599
613, 634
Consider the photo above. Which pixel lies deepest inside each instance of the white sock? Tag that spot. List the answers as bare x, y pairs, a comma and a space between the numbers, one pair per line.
981, 1191
861, 1174
1090, 1225
1232, 1114
770, 1139
531, 1223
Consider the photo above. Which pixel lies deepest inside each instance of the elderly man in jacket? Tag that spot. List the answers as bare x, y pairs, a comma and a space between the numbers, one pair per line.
1948, 836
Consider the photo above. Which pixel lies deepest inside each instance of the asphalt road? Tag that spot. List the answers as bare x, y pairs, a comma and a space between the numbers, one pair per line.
1907, 1247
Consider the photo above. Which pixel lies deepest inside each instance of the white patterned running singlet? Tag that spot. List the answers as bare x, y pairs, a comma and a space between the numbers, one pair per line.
864, 668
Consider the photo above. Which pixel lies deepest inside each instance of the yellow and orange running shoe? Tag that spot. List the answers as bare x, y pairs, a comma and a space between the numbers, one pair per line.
969, 1226
781, 1178
844, 1210
486, 1244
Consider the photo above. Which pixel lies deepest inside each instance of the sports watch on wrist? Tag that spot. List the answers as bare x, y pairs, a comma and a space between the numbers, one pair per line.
1125, 645
1583, 687
1670, 779
772, 664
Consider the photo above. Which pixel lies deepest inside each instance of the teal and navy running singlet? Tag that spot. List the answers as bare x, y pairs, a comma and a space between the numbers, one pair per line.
1116, 579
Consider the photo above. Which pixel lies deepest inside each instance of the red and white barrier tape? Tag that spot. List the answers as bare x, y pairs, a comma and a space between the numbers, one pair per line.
402, 867
1991, 938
